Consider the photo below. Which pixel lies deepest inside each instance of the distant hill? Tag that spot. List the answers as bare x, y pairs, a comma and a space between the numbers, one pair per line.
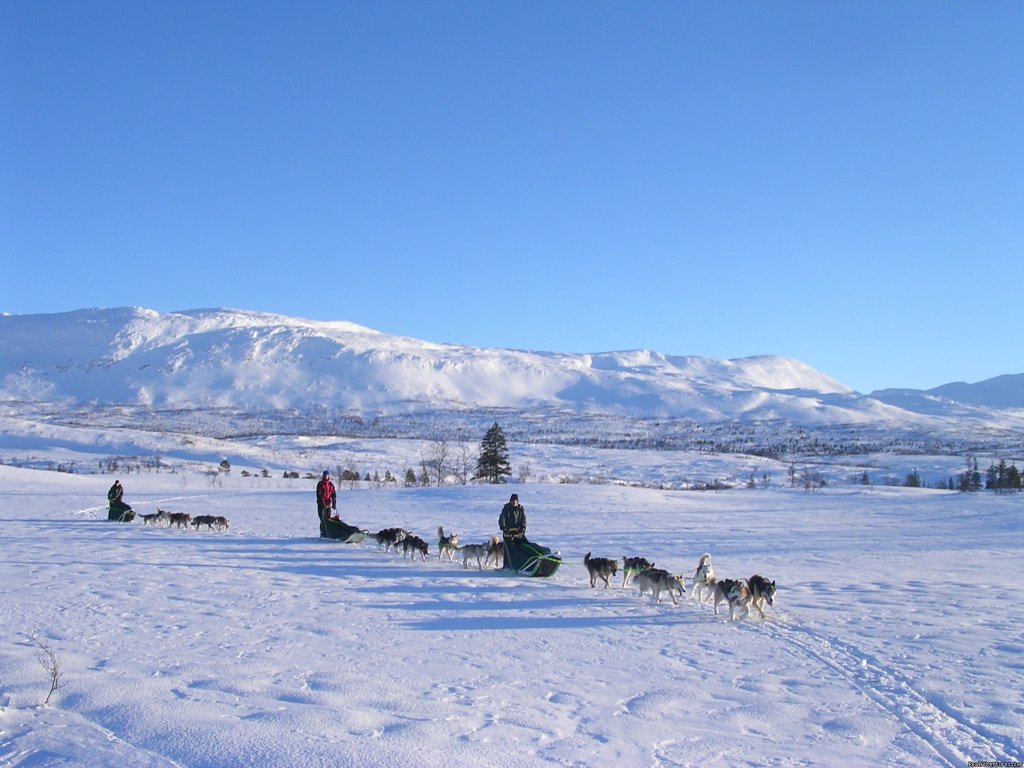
222, 358
1005, 391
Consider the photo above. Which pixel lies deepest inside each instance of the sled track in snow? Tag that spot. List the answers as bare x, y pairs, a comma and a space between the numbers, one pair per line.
953, 738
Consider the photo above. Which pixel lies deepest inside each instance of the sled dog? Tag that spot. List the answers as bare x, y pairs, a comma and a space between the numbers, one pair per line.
602, 568
180, 519
388, 538
703, 577
210, 521
631, 566
156, 519
446, 545
735, 593
475, 552
495, 551
414, 544
656, 581
761, 591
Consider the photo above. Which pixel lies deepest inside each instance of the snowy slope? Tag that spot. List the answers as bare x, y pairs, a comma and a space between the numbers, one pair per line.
261, 362
895, 639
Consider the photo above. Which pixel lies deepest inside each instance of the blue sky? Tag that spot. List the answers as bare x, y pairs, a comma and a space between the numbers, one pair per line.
841, 183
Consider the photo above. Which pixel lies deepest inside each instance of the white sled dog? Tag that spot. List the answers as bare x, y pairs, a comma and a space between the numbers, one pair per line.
602, 568
446, 545
476, 552
656, 581
761, 591
631, 566
703, 578
735, 593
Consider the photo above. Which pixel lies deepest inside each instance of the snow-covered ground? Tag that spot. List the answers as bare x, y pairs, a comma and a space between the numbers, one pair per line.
897, 637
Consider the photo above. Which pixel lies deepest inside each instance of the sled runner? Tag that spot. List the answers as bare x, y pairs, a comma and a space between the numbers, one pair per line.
347, 534
528, 559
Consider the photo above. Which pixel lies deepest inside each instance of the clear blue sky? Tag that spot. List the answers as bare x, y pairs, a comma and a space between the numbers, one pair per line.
838, 182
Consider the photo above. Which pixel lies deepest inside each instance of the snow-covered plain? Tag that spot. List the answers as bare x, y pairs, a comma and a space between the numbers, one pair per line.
897, 637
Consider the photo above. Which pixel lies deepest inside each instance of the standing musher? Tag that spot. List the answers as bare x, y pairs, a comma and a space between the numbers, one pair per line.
326, 500
512, 522
521, 555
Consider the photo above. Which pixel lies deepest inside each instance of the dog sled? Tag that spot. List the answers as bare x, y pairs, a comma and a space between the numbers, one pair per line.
528, 559
120, 512
346, 534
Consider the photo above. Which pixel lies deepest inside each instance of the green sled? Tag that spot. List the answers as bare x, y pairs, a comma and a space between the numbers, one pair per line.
346, 534
120, 512
528, 559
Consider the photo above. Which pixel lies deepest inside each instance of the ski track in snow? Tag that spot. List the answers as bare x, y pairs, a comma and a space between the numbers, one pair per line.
953, 738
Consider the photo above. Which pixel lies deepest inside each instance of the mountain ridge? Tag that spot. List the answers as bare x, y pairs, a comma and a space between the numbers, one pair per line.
207, 358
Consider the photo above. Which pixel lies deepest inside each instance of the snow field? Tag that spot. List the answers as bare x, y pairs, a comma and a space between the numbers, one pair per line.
895, 638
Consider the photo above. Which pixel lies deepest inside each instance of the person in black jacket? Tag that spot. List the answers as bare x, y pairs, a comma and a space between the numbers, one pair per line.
522, 556
118, 510
512, 522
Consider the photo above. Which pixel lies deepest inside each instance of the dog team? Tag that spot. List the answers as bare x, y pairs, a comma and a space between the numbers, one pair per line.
184, 520
412, 545
737, 594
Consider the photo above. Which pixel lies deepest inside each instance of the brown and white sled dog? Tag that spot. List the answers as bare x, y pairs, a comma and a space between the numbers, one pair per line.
656, 581
761, 591
180, 519
476, 552
414, 544
495, 552
631, 566
735, 593
602, 568
703, 578
446, 545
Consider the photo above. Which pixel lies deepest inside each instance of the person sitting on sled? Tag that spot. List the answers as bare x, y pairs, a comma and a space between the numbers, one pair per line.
326, 500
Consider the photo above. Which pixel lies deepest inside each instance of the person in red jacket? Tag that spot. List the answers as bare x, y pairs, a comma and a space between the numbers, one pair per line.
326, 500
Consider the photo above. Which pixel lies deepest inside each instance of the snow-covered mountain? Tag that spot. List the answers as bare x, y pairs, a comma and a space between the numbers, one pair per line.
261, 362
999, 392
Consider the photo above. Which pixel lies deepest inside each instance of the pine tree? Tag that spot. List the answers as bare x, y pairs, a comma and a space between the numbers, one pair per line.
1013, 479
492, 465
